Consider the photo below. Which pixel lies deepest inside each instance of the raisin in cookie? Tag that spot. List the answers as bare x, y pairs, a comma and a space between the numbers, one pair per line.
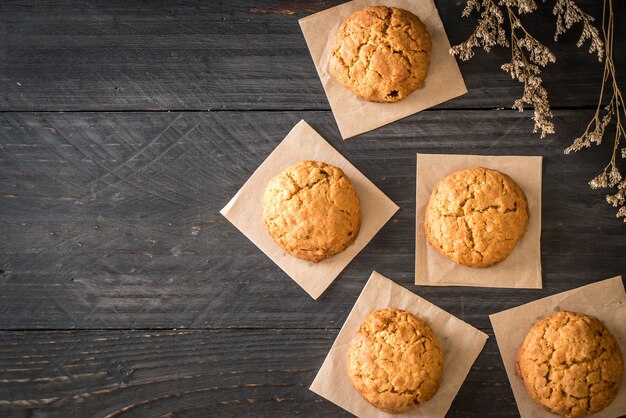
311, 210
476, 216
394, 360
381, 53
571, 364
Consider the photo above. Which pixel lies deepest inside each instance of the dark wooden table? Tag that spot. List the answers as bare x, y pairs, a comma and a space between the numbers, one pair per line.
126, 126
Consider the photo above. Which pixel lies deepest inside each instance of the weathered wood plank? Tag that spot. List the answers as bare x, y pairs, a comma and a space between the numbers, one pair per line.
239, 54
194, 373
111, 220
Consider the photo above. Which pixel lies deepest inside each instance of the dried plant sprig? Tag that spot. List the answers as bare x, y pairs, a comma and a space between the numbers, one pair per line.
527, 71
525, 68
523, 6
567, 13
488, 33
615, 111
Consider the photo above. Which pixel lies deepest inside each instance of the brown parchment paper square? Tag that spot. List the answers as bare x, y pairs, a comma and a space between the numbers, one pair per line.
460, 342
605, 300
355, 116
245, 210
522, 268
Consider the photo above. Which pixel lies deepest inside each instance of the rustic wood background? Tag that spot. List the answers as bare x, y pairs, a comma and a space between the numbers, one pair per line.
126, 126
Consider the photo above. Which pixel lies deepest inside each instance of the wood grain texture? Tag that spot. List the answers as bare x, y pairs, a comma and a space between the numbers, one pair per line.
229, 55
193, 374
124, 293
111, 220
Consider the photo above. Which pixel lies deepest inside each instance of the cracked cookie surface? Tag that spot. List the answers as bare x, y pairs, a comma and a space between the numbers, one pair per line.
475, 216
394, 360
381, 53
571, 364
311, 210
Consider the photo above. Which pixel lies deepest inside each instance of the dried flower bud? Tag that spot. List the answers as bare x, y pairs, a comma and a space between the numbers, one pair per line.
596, 136
614, 175
618, 198
578, 144
523, 6
539, 53
599, 182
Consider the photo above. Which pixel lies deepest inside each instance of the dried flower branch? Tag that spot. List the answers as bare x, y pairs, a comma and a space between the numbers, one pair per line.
489, 30
525, 67
529, 56
567, 13
616, 110
526, 70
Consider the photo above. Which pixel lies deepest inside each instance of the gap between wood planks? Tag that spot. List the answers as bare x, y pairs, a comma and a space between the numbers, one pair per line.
193, 329
257, 110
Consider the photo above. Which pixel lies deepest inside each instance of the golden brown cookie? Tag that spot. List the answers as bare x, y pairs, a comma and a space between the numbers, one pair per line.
571, 364
476, 216
394, 360
311, 210
381, 53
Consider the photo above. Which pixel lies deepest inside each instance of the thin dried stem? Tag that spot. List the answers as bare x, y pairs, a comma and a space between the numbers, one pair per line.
615, 110
527, 71
528, 55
